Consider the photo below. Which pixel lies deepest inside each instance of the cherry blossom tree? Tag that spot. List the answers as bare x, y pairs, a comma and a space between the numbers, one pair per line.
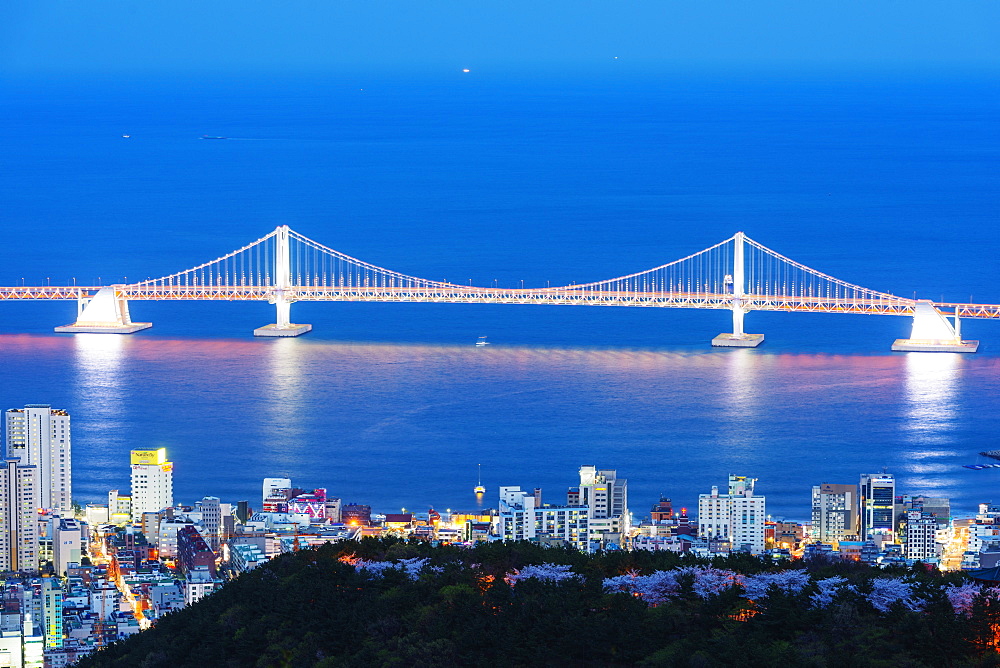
963, 596
790, 581
544, 572
828, 589
886, 591
655, 589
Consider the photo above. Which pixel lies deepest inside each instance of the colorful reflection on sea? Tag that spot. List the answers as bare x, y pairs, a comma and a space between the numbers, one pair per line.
406, 425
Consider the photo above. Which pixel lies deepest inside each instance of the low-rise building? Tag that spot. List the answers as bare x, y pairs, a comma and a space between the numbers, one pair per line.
67, 544
198, 583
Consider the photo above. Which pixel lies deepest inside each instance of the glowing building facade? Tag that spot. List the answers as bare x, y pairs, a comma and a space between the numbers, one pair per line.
152, 482
19, 503
39, 435
737, 517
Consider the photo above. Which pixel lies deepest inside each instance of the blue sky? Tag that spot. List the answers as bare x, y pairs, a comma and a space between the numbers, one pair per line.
71, 37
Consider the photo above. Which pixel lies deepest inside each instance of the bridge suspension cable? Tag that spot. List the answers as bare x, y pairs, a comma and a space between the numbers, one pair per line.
771, 275
702, 273
247, 271
316, 265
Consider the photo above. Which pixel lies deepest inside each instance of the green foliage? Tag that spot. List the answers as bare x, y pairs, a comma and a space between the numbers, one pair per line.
310, 608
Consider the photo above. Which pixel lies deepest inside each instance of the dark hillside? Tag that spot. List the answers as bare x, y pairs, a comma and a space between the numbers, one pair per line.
344, 605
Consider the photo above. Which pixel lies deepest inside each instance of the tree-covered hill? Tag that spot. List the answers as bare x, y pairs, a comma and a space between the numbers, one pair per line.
389, 603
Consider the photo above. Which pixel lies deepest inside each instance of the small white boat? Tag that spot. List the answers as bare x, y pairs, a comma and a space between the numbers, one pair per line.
482, 341
480, 489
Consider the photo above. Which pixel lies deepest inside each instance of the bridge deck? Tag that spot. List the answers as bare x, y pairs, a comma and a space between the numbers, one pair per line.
475, 295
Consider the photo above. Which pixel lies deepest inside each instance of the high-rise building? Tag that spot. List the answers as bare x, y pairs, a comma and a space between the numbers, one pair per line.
152, 482
737, 517
38, 435
193, 551
516, 519
601, 491
243, 511
920, 537
19, 503
606, 497
834, 512
876, 500
52, 612
211, 519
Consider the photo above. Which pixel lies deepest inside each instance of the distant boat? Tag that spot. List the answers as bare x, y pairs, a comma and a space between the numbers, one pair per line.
126, 136
980, 467
211, 137
479, 487
482, 341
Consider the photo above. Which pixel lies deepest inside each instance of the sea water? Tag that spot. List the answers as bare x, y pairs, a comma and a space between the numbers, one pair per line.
885, 182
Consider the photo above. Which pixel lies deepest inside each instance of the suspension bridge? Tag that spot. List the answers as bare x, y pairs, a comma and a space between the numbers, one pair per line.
738, 274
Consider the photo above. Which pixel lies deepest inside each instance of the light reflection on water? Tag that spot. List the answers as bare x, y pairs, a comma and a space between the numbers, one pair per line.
98, 382
932, 381
406, 425
931, 384
284, 415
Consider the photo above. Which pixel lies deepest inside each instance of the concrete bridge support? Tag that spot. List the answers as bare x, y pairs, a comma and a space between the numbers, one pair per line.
104, 313
932, 333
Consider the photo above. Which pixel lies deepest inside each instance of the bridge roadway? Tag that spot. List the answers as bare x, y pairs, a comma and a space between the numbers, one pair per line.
458, 294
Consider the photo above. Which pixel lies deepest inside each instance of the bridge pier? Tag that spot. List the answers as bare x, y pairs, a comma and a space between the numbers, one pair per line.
932, 333
738, 338
104, 313
283, 325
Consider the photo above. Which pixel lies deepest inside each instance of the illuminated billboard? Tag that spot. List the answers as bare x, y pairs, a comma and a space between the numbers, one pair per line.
149, 457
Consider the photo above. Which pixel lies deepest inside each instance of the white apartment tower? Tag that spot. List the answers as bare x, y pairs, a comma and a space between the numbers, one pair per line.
521, 517
601, 491
516, 519
921, 536
152, 482
737, 517
605, 495
19, 503
211, 519
38, 435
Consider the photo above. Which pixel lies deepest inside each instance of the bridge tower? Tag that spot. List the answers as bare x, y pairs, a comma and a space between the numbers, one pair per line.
932, 333
103, 313
283, 291
738, 338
